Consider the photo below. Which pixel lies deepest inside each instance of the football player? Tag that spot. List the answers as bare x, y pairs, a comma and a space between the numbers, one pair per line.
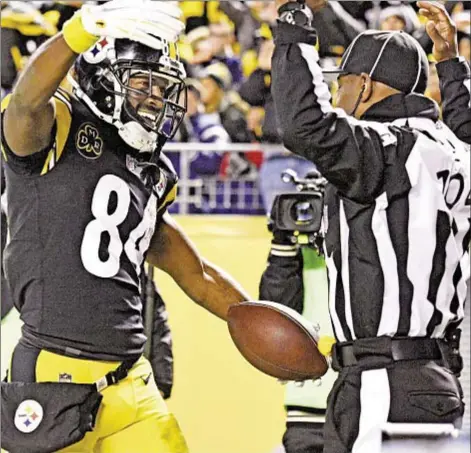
87, 191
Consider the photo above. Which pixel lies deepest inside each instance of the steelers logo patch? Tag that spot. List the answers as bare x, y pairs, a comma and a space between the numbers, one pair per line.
28, 416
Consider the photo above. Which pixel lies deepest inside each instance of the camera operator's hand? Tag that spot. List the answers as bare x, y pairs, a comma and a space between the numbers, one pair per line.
283, 238
441, 29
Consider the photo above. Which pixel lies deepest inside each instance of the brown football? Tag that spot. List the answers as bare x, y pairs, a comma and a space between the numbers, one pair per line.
276, 340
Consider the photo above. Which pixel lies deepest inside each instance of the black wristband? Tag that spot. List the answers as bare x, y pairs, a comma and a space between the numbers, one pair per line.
295, 13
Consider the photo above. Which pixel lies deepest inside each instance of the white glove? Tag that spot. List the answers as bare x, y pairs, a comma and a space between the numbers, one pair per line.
144, 21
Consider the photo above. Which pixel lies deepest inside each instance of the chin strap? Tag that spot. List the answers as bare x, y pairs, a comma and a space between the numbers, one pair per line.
137, 137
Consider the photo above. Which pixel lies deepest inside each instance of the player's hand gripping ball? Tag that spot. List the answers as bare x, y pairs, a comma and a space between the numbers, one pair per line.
277, 340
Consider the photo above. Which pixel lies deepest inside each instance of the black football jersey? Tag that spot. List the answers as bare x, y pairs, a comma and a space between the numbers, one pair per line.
81, 217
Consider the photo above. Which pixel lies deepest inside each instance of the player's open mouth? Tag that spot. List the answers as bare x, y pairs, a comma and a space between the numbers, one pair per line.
148, 115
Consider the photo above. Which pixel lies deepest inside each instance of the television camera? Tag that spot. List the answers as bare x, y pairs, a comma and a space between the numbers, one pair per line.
297, 215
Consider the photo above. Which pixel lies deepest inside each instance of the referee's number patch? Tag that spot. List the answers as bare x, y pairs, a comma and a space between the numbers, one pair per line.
453, 188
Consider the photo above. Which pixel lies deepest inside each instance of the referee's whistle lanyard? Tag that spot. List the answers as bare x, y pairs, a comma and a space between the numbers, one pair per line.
357, 104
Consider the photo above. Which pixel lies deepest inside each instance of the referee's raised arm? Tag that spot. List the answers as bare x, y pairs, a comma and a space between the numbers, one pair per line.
453, 71
348, 155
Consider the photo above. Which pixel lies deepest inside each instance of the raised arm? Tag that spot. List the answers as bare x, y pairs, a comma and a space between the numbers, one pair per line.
172, 251
455, 87
453, 72
347, 153
336, 26
29, 119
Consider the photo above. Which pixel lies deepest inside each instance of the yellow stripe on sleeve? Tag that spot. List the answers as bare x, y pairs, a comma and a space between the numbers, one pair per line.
18, 59
63, 117
47, 164
4, 154
63, 121
169, 199
4, 105
5, 102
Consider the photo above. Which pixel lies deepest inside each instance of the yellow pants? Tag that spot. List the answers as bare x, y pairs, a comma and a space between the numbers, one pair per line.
133, 417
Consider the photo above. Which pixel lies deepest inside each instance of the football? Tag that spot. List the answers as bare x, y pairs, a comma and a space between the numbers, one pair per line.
276, 340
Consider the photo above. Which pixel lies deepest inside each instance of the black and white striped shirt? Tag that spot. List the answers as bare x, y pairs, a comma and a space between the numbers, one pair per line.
398, 208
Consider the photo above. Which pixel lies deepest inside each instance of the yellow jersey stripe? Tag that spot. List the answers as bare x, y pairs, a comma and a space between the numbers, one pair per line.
18, 59
47, 165
63, 114
169, 199
4, 105
4, 154
64, 93
63, 121
61, 96
5, 102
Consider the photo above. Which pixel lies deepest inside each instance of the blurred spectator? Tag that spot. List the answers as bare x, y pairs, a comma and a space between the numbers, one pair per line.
399, 18
218, 96
261, 120
222, 39
358, 9
336, 26
200, 46
256, 91
59, 12
461, 17
211, 45
245, 23
201, 13
464, 45
201, 127
25, 26
264, 12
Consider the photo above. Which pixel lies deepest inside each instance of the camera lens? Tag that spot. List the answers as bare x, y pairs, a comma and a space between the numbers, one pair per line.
303, 213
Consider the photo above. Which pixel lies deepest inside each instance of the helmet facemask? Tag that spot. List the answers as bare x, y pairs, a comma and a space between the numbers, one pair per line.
140, 91
150, 97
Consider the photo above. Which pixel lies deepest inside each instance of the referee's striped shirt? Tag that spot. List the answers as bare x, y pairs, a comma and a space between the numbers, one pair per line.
397, 217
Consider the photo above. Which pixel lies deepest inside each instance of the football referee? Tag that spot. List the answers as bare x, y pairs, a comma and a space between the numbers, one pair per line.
397, 224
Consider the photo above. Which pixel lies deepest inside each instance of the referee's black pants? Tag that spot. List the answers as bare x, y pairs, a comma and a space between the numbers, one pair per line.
378, 389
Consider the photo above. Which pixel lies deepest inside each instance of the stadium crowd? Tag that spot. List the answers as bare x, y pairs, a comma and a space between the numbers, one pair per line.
227, 49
